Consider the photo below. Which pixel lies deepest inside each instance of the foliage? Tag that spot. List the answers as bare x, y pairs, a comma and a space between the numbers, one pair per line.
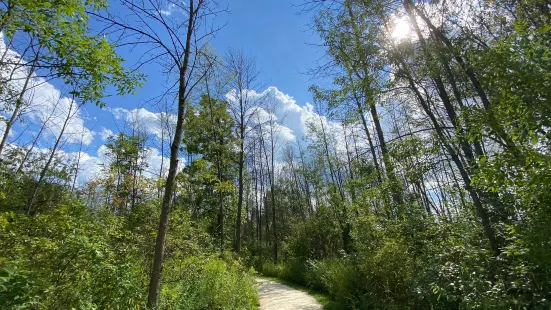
423, 181
87, 62
69, 258
209, 283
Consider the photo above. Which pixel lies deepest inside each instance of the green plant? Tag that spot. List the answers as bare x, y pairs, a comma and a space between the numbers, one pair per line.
208, 283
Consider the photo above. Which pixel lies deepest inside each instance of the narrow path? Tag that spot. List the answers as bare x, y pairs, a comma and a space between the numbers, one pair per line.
276, 296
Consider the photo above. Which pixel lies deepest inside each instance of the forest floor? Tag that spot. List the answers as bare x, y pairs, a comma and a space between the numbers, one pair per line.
276, 296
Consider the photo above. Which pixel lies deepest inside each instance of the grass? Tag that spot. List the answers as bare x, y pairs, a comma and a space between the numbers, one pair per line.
323, 299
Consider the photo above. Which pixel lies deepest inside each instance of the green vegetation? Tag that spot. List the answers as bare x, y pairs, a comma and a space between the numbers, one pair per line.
434, 194
69, 245
422, 179
70, 257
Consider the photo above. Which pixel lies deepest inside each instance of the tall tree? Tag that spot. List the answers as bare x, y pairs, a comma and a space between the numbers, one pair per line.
39, 41
244, 103
209, 133
175, 41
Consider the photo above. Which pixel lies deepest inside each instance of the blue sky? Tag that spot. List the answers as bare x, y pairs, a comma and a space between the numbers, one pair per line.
280, 39
271, 31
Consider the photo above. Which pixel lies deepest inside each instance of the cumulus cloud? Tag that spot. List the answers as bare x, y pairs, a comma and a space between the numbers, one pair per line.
93, 166
284, 132
43, 102
90, 167
292, 121
151, 122
3, 126
274, 105
106, 133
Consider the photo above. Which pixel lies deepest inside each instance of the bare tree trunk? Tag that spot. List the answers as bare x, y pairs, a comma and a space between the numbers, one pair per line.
349, 164
35, 139
32, 197
257, 214
237, 245
306, 183
272, 190
270, 167
155, 282
261, 172
481, 211
18, 105
244, 75
389, 167
77, 166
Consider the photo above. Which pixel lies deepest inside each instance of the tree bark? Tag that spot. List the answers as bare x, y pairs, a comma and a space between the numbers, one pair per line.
237, 245
155, 281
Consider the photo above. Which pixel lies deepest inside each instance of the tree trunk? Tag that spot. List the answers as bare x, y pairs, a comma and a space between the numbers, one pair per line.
32, 197
155, 282
481, 211
237, 245
272, 190
17, 109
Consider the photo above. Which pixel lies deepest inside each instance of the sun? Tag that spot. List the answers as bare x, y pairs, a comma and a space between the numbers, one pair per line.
400, 29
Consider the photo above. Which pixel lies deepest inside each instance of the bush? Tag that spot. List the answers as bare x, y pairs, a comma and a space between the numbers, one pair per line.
333, 276
72, 258
203, 283
270, 269
15, 290
67, 259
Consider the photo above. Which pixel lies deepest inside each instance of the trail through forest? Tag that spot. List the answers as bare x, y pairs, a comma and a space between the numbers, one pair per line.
147, 162
276, 296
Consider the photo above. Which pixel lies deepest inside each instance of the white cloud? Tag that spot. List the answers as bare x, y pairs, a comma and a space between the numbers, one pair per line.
150, 122
89, 166
285, 133
48, 106
105, 134
92, 166
291, 120
289, 115
155, 161
43, 102
3, 126
296, 121
170, 8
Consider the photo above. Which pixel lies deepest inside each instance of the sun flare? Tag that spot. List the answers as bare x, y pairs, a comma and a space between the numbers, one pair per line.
400, 29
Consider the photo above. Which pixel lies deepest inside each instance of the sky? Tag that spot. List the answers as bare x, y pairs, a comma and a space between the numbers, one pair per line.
271, 31
279, 38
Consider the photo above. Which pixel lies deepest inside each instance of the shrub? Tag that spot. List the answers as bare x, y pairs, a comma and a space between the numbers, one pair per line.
73, 258
66, 259
333, 276
270, 269
293, 270
203, 283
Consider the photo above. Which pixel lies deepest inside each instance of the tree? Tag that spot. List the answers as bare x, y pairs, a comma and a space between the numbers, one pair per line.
126, 155
46, 36
182, 57
243, 81
209, 133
